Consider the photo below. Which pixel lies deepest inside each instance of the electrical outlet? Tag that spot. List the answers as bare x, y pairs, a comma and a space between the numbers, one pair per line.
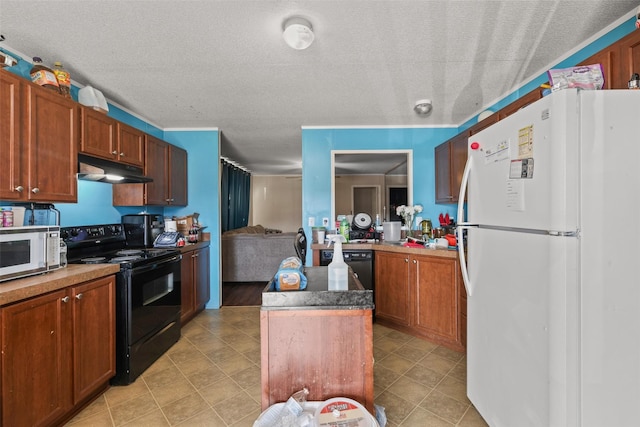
325, 222
312, 221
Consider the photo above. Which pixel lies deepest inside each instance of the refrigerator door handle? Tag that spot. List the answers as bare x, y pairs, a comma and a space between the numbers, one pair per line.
463, 190
463, 261
462, 225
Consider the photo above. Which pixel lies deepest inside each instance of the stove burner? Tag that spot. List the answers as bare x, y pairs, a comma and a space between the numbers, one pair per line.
120, 259
128, 252
94, 260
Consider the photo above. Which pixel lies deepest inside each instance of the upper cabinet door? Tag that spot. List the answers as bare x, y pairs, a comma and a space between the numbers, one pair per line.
98, 137
130, 145
12, 180
51, 134
629, 51
157, 169
178, 177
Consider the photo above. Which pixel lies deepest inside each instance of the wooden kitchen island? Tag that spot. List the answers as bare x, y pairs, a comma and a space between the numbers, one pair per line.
318, 339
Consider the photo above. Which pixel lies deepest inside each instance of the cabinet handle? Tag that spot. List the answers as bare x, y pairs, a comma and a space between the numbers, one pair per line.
415, 262
35, 190
194, 255
65, 299
114, 152
406, 260
79, 296
121, 154
19, 188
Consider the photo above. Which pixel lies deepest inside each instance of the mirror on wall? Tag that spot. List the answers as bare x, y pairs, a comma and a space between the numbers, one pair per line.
370, 181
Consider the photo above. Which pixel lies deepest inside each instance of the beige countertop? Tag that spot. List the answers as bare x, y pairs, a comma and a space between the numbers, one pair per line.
392, 247
19, 289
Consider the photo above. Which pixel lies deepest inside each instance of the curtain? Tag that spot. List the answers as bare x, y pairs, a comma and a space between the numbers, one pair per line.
235, 194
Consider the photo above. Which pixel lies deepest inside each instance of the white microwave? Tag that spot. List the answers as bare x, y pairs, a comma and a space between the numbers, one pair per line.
25, 251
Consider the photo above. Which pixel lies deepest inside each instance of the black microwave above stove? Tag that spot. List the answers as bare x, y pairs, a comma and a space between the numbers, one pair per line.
141, 230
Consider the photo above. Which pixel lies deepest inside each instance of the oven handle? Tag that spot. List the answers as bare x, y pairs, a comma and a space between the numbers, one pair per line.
173, 259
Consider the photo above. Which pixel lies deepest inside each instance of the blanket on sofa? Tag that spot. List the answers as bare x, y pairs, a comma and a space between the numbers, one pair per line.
253, 253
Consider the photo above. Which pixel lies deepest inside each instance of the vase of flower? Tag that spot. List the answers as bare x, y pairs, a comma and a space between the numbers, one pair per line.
407, 213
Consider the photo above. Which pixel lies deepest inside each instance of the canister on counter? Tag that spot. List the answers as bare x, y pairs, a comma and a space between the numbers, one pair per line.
7, 217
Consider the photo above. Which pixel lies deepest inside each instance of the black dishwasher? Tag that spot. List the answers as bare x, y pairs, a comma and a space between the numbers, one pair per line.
360, 261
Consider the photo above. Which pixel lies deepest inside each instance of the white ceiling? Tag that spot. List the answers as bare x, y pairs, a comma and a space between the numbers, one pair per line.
223, 63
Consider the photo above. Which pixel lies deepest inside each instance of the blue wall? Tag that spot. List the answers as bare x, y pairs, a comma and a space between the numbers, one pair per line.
317, 145
203, 171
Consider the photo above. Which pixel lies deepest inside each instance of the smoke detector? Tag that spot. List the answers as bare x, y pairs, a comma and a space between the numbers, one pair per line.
423, 107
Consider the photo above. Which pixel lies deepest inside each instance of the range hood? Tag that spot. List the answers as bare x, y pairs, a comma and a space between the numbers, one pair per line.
100, 170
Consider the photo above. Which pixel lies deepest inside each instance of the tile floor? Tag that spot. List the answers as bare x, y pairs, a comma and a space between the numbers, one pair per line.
211, 377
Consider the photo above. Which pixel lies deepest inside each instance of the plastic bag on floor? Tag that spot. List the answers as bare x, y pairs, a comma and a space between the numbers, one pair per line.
381, 416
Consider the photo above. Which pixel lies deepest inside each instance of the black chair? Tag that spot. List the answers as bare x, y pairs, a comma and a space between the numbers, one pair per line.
300, 245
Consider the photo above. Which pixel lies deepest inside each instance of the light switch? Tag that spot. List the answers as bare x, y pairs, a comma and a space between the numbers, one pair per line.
325, 222
312, 221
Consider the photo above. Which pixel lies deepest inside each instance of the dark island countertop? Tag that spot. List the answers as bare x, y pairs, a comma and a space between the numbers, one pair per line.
317, 296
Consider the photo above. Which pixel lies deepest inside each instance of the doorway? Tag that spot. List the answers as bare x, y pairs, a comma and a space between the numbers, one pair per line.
397, 197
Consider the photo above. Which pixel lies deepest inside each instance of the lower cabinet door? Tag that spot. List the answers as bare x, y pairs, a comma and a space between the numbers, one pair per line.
201, 269
392, 288
36, 360
436, 297
93, 335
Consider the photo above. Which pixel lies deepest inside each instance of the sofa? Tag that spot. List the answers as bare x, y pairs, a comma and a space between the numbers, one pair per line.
254, 253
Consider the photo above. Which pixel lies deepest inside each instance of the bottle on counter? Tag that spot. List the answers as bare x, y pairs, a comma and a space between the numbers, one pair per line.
43, 75
338, 269
344, 229
64, 79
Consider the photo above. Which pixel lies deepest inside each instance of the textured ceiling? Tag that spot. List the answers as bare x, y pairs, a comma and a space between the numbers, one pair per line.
217, 63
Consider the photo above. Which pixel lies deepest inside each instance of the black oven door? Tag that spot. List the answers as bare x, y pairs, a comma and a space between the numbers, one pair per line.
148, 316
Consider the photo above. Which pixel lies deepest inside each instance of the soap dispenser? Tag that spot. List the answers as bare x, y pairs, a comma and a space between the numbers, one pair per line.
338, 269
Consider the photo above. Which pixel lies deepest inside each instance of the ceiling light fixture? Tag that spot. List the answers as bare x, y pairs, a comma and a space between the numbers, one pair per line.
298, 33
423, 107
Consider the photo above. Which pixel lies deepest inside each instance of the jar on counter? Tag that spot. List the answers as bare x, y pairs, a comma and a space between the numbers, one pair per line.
7, 218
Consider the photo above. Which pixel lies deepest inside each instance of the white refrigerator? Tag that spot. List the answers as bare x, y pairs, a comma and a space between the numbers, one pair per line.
551, 265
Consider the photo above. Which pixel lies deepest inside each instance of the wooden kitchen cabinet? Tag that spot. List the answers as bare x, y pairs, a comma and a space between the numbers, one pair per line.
107, 138
435, 297
450, 159
177, 176
130, 145
195, 283
11, 177
628, 51
420, 295
519, 103
39, 143
392, 292
98, 136
166, 164
58, 352
483, 124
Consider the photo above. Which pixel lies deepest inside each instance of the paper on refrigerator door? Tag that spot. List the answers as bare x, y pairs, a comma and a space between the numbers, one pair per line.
497, 152
515, 195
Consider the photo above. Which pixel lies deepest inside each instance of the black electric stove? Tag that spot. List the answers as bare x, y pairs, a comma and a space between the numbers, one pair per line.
148, 293
99, 244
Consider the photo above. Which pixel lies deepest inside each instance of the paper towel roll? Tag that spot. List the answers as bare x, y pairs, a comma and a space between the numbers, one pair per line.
170, 226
